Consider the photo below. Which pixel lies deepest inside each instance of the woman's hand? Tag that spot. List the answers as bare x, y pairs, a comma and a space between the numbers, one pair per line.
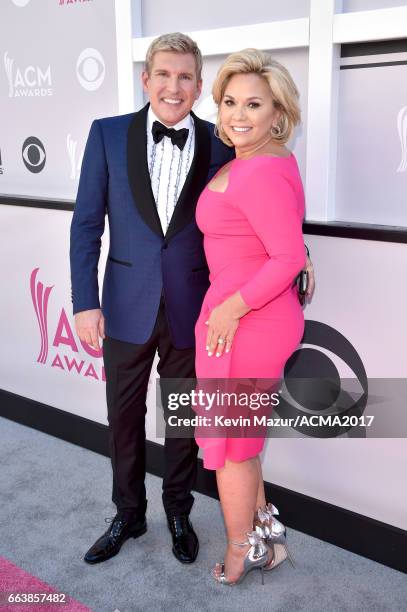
223, 323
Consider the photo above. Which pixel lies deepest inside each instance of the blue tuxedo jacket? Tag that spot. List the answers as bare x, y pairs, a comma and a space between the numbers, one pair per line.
142, 261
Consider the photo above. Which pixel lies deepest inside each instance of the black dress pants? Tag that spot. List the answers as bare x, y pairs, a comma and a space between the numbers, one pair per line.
128, 368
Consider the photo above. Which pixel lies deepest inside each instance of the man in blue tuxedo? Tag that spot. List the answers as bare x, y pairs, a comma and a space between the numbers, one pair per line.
146, 171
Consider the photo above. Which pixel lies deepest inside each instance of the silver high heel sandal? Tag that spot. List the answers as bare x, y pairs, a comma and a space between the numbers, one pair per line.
274, 534
255, 558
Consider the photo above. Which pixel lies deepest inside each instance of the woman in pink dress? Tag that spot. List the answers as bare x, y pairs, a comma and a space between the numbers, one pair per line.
251, 320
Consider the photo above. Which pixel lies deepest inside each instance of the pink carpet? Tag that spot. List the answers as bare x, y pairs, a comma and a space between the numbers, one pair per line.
13, 579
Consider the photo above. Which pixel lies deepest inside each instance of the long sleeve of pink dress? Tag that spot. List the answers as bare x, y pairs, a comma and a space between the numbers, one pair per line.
253, 244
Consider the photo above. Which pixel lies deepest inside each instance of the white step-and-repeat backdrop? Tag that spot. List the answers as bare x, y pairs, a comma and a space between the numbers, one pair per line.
60, 72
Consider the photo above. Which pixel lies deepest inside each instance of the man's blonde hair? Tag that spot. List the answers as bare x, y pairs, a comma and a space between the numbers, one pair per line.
285, 93
177, 43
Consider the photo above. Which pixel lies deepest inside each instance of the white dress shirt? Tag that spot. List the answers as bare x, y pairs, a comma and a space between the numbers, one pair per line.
168, 166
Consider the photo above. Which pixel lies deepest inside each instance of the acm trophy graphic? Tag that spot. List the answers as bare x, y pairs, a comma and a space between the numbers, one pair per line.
40, 296
8, 65
75, 160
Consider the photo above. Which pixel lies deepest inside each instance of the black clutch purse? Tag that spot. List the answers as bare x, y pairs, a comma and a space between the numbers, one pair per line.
302, 286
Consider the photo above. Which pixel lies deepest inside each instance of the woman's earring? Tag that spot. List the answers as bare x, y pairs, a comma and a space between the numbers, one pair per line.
276, 130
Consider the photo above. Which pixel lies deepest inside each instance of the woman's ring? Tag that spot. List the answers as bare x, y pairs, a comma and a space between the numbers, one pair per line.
220, 341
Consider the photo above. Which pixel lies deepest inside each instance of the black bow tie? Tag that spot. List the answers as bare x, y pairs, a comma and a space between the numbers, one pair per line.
178, 137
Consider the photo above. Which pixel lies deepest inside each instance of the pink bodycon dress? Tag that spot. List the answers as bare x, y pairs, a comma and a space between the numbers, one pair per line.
253, 244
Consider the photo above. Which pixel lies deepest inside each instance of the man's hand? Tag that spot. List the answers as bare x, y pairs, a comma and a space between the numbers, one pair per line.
90, 324
311, 278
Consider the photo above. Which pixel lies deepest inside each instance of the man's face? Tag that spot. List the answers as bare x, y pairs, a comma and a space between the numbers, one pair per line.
172, 85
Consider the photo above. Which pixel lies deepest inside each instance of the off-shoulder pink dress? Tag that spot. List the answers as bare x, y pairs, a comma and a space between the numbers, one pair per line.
253, 244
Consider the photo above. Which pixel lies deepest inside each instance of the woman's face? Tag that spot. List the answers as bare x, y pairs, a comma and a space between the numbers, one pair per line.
247, 111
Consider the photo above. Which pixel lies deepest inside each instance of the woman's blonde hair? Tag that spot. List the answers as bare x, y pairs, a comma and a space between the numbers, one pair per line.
285, 93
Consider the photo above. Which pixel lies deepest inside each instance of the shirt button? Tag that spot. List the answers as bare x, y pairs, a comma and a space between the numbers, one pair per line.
165, 246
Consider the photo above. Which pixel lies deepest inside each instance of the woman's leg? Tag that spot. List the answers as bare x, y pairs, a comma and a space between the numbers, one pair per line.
238, 485
261, 499
261, 496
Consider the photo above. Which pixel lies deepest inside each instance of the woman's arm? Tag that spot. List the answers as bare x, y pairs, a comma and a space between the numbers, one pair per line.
271, 206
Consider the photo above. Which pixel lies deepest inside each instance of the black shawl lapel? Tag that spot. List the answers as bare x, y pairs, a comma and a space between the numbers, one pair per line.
195, 182
137, 171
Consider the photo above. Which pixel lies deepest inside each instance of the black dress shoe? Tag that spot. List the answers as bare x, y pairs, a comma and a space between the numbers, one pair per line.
109, 544
185, 543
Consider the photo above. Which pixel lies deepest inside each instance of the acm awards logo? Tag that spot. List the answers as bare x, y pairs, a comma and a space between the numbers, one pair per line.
90, 69
31, 81
59, 347
33, 154
75, 157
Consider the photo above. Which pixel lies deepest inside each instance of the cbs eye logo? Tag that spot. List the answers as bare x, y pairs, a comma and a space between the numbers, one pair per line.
90, 69
21, 3
34, 156
313, 385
